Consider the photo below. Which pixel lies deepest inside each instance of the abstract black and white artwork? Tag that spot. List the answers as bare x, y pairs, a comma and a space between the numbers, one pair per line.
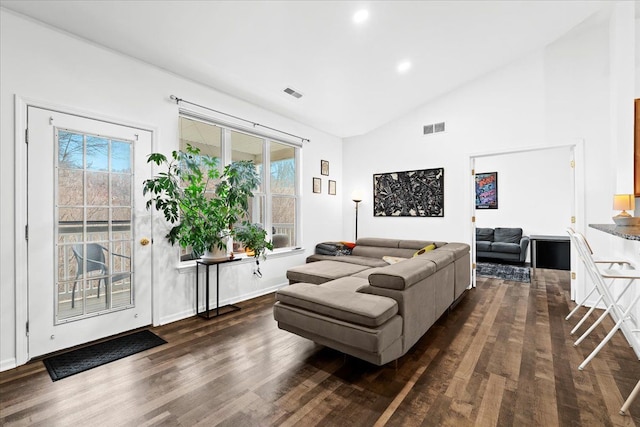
412, 193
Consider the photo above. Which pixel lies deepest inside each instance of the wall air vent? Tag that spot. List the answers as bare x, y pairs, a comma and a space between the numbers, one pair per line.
433, 128
293, 93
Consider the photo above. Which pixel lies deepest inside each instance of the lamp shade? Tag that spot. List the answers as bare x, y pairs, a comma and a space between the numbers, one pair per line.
356, 196
622, 202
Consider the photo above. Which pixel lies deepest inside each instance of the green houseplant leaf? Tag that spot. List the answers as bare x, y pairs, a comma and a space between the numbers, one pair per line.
202, 202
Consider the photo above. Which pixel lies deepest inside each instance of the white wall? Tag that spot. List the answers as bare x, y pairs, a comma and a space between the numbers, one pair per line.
491, 114
555, 96
39, 63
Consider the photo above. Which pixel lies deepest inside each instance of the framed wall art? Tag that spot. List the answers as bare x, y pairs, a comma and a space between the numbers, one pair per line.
418, 193
332, 188
487, 190
324, 167
317, 185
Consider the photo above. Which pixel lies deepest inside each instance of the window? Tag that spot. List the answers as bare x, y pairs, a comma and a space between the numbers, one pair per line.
275, 201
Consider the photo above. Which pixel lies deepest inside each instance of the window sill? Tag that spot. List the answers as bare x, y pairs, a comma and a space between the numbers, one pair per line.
187, 266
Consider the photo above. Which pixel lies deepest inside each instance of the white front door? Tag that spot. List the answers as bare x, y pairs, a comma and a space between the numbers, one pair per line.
88, 254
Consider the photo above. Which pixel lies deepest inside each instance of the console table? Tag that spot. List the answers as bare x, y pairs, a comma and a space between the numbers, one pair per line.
226, 308
551, 252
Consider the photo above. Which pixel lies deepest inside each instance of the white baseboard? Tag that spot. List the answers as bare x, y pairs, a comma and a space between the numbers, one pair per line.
189, 313
7, 364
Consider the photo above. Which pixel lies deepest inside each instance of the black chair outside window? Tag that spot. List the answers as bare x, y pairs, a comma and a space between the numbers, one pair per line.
96, 261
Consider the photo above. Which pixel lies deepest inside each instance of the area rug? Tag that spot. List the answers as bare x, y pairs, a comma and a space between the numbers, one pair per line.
85, 358
514, 273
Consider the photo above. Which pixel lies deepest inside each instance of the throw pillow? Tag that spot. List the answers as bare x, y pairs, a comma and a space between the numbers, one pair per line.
484, 234
349, 245
392, 259
425, 249
507, 235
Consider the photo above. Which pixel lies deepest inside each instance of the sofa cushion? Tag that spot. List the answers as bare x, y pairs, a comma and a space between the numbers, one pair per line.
352, 259
378, 252
377, 242
393, 259
417, 244
507, 235
323, 271
439, 258
349, 283
484, 234
364, 274
361, 309
459, 250
327, 330
509, 248
483, 246
404, 274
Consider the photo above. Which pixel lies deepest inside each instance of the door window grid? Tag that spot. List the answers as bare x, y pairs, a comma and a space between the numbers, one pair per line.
93, 232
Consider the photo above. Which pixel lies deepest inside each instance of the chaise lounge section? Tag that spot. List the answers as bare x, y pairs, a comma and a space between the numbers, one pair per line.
363, 306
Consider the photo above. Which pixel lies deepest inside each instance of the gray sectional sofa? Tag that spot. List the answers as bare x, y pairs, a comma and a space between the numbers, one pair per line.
361, 305
502, 243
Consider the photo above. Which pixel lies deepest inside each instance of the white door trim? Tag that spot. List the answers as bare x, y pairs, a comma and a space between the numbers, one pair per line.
578, 202
20, 190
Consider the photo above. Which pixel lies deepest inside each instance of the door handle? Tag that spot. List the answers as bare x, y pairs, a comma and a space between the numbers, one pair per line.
144, 241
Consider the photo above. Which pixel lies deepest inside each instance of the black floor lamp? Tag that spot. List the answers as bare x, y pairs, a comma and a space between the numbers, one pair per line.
356, 197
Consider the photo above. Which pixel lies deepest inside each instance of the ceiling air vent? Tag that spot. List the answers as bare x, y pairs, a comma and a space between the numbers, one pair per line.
293, 93
439, 127
427, 129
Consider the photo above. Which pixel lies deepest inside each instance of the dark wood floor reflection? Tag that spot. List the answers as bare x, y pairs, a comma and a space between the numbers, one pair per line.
502, 357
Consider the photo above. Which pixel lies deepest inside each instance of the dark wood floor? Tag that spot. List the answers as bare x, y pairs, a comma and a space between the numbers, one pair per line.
502, 357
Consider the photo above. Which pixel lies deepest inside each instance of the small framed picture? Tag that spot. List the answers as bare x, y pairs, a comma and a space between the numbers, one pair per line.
317, 185
332, 188
324, 167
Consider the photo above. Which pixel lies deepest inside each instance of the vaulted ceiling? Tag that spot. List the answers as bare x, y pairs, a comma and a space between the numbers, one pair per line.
346, 71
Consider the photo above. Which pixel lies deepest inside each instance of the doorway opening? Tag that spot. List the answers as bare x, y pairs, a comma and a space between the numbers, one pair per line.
541, 190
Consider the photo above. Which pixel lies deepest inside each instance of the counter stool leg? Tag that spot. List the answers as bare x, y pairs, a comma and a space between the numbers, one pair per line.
632, 396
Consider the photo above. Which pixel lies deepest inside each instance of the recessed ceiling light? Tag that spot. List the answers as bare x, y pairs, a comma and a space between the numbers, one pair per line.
360, 16
404, 66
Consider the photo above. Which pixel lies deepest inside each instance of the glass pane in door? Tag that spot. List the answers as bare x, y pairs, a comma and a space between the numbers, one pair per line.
94, 236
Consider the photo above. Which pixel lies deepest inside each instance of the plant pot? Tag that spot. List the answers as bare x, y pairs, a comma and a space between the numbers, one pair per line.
216, 255
249, 252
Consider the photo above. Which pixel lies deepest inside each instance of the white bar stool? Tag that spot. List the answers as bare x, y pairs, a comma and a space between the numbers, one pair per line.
598, 260
630, 399
619, 313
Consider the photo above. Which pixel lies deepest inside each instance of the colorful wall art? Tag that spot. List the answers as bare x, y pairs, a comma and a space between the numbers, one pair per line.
487, 190
417, 193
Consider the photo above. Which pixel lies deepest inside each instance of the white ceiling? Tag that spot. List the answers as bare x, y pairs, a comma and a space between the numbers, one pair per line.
347, 73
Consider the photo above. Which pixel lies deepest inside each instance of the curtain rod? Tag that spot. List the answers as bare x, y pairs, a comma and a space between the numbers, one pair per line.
178, 100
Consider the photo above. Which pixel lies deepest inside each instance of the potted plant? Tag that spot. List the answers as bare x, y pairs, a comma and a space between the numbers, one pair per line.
254, 238
201, 202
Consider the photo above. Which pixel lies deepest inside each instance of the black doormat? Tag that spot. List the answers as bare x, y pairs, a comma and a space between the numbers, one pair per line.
514, 273
85, 358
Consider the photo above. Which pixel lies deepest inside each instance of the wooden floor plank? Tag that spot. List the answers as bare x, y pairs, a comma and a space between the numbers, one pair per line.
503, 356
491, 401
